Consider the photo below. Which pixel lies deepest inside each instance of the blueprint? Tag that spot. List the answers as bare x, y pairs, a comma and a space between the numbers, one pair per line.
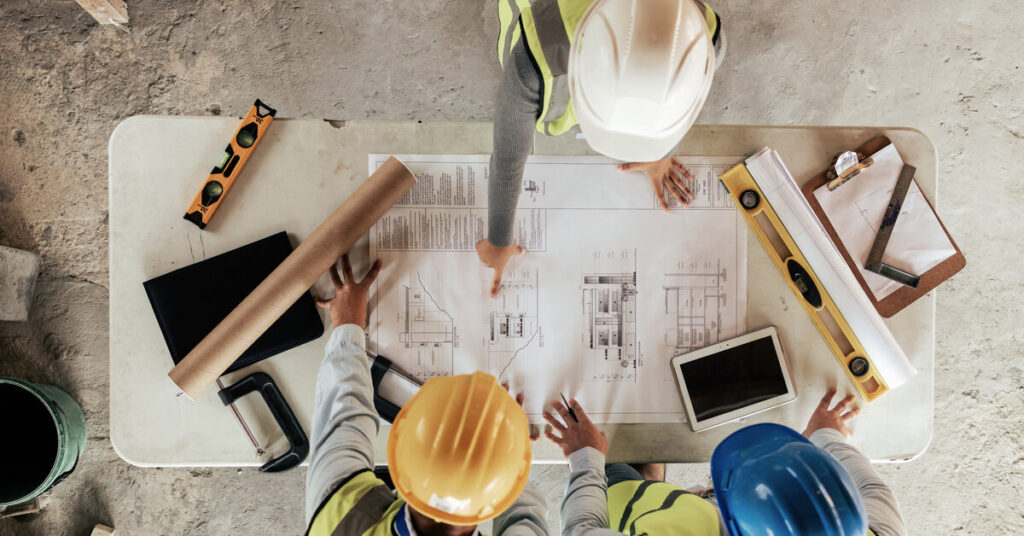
610, 289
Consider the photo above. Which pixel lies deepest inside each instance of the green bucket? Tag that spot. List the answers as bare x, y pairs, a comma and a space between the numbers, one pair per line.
44, 433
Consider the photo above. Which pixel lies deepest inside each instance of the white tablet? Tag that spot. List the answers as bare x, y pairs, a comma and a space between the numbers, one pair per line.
733, 379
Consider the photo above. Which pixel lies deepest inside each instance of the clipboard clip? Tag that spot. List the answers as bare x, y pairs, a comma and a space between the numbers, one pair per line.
846, 166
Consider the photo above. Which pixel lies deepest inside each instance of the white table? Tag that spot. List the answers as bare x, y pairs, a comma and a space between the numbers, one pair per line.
305, 168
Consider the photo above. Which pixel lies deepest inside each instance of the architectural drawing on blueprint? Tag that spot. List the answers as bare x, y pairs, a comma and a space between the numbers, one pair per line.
513, 324
695, 298
609, 295
611, 287
427, 329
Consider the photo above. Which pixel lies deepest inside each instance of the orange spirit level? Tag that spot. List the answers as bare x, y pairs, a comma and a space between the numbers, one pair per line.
237, 153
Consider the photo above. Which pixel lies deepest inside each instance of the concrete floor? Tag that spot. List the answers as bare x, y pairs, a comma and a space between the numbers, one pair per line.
950, 69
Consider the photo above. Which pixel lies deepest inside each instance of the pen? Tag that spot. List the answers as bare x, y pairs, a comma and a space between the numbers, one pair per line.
568, 407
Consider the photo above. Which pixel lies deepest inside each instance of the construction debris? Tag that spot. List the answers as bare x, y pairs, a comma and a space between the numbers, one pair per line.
18, 271
106, 11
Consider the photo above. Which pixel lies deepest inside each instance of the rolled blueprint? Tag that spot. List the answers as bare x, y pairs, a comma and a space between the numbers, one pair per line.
299, 271
781, 191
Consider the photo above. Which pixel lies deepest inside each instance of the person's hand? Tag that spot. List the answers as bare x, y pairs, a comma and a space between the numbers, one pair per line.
573, 434
834, 418
494, 257
668, 178
348, 306
520, 399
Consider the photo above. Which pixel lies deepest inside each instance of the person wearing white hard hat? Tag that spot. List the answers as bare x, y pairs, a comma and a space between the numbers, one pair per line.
633, 74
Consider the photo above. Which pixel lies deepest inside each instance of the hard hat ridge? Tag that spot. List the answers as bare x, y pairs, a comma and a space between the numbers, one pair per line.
459, 451
770, 479
639, 73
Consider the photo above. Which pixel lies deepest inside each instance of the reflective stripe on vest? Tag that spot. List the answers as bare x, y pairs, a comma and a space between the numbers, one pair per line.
508, 29
364, 506
646, 507
549, 26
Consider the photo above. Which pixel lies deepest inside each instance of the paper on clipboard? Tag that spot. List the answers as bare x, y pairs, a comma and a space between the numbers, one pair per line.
855, 209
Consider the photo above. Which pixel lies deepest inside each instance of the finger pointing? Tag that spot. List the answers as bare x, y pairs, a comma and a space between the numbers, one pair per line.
496, 283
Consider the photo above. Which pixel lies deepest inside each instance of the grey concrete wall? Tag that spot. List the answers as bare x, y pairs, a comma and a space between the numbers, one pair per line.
950, 69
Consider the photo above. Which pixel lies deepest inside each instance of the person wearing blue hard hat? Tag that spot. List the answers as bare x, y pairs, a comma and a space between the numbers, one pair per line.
605, 500
771, 480
768, 479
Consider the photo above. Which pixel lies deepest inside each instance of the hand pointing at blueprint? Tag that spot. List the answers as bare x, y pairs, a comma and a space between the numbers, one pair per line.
494, 257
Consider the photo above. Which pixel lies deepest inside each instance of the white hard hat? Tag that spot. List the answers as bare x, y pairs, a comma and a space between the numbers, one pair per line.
639, 72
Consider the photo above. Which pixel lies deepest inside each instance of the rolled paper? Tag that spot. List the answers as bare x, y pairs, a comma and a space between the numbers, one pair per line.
286, 284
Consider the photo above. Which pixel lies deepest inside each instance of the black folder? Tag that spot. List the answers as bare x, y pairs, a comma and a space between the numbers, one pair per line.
189, 302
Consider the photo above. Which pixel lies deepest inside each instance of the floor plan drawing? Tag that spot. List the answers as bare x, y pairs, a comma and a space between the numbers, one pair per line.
695, 298
427, 329
609, 288
513, 324
609, 318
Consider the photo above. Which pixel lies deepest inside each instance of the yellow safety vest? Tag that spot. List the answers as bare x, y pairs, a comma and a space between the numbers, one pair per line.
363, 506
645, 507
638, 507
655, 507
549, 26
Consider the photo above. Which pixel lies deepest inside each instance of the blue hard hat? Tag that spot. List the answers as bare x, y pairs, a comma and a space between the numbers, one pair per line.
771, 480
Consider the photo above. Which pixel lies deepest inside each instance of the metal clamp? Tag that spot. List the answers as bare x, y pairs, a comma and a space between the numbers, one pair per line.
283, 414
385, 408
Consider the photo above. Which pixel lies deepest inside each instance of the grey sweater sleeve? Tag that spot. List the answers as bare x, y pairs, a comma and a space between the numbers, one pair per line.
515, 117
585, 506
879, 501
345, 422
526, 517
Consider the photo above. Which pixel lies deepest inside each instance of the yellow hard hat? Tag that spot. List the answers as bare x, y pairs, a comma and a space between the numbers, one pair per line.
459, 451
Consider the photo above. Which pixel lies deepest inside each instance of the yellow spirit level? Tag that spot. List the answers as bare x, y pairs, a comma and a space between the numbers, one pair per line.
237, 153
866, 370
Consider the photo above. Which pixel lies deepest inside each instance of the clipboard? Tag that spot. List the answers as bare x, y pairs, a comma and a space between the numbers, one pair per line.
895, 302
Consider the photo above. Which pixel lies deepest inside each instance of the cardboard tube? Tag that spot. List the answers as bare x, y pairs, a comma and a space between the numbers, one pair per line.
286, 284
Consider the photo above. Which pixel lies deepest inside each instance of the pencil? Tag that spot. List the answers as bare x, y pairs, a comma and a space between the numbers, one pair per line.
569, 407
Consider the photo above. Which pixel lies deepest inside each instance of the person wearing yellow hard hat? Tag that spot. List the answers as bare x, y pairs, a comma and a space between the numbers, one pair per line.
768, 480
458, 453
633, 74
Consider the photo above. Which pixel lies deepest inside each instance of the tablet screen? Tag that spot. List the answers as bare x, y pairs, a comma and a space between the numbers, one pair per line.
733, 378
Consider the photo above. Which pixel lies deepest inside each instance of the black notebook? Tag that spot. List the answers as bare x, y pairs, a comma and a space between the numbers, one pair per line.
189, 302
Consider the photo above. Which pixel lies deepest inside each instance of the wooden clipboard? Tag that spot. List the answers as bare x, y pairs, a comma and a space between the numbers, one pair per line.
895, 302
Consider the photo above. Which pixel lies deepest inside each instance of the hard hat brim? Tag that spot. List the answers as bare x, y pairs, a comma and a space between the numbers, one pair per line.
628, 148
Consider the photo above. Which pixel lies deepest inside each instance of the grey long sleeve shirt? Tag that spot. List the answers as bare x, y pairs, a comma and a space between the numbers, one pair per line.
345, 424
515, 117
880, 502
585, 506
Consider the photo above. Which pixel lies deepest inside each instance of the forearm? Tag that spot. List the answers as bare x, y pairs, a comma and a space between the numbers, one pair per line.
526, 517
345, 422
516, 110
879, 501
585, 506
